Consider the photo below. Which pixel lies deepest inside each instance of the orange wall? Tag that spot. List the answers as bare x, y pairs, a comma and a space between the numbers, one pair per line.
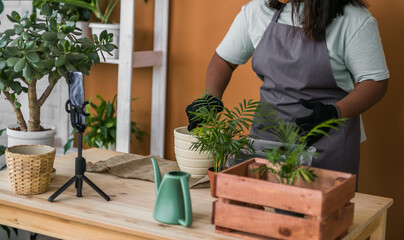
381, 157
197, 27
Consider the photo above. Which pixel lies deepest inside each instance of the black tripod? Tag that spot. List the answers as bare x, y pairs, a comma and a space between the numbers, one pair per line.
77, 113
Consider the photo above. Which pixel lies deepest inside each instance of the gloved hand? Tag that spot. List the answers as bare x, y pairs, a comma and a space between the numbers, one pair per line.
321, 113
210, 102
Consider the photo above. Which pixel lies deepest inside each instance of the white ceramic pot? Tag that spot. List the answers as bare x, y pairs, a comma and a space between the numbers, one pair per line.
186, 153
196, 163
85, 29
188, 160
31, 138
194, 171
97, 28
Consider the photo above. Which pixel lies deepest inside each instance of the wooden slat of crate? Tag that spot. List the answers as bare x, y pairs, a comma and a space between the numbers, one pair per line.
339, 194
269, 194
337, 223
317, 200
265, 223
231, 220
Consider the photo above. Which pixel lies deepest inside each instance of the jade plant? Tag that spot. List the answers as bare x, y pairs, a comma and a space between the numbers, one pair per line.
102, 125
286, 161
34, 48
224, 134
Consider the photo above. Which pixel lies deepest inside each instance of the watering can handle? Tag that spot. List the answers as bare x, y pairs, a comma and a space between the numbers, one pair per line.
187, 204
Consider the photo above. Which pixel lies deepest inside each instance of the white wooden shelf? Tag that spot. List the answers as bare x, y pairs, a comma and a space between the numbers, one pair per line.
142, 59
129, 60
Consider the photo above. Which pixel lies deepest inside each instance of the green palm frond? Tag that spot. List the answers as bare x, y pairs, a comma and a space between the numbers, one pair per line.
221, 134
287, 160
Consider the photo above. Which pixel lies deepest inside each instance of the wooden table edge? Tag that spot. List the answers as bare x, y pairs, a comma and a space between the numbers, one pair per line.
109, 229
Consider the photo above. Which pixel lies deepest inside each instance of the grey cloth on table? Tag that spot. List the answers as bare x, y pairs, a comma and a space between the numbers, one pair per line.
140, 167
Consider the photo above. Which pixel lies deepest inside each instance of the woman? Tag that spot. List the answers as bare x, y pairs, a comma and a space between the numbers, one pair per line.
308, 54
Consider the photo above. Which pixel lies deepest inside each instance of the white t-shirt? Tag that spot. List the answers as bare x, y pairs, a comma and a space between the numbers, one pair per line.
353, 42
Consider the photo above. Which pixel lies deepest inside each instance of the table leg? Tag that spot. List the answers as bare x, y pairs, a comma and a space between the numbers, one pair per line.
375, 230
380, 231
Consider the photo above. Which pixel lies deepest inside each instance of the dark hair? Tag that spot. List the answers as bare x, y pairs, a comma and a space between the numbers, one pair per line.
316, 14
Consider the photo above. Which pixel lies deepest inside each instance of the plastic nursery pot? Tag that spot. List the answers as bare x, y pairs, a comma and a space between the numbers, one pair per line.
212, 179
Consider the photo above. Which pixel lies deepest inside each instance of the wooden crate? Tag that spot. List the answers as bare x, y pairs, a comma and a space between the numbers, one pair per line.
325, 204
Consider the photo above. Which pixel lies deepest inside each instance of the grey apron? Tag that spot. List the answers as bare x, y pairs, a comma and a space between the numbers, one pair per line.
294, 67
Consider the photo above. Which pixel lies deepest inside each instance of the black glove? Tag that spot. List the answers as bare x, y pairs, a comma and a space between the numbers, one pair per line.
321, 113
207, 101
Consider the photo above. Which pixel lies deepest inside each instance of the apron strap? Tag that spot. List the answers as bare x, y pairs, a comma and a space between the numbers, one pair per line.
277, 13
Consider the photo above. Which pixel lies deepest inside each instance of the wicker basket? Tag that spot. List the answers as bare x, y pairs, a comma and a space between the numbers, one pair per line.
29, 168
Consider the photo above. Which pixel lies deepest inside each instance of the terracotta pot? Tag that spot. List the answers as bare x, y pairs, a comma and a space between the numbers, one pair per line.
212, 179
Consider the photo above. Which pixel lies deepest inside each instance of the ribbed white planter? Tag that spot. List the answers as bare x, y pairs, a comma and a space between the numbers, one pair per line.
85, 29
190, 161
31, 138
97, 28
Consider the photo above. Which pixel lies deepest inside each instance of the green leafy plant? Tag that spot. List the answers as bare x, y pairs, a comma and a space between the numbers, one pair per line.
65, 11
286, 162
101, 9
34, 48
102, 125
222, 134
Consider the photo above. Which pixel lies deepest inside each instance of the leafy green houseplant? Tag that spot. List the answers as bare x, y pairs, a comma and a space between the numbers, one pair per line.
222, 134
65, 11
286, 161
102, 10
35, 48
102, 125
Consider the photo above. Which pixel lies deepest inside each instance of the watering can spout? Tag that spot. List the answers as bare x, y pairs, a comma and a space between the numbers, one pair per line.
157, 174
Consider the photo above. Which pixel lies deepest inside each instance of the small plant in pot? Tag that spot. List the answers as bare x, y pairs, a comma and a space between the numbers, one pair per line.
102, 125
36, 48
223, 134
285, 163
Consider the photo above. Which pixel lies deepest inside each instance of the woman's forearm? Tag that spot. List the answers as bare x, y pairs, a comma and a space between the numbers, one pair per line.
365, 95
218, 75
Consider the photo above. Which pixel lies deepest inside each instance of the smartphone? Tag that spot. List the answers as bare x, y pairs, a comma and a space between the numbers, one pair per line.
76, 95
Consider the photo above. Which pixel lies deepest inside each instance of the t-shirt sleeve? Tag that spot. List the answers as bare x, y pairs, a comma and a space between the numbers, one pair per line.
237, 47
364, 56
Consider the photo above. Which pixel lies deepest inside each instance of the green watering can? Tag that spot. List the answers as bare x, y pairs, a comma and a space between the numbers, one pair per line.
173, 202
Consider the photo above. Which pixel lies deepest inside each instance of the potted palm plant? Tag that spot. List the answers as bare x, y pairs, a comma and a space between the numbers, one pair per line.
223, 135
300, 195
37, 48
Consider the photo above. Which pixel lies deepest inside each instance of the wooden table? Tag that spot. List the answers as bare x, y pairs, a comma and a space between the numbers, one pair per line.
129, 213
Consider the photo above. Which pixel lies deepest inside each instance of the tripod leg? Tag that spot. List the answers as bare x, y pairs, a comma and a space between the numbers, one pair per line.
79, 186
60, 190
93, 186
